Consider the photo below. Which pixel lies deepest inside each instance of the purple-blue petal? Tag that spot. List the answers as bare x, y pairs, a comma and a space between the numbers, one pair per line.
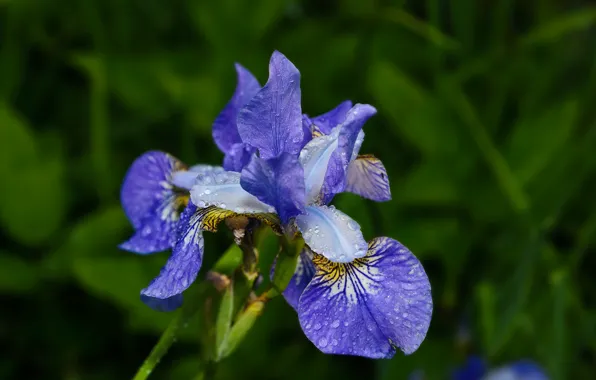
147, 181
278, 182
225, 130
521, 370
163, 305
182, 267
329, 120
305, 270
368, 178
369, 306
272, 119
158, 229
238, 157
474, 368
351, 127
335, 178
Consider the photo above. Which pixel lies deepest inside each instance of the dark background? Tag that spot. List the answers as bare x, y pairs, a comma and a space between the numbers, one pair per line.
486, 127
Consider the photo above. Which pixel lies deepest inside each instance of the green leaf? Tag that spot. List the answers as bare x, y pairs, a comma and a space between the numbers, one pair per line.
555, 29
537, 139
285, 266
16, 275
485, 294
242, 326
421, 119
224, 321
17, 143
30, 218
229, 260
558, 352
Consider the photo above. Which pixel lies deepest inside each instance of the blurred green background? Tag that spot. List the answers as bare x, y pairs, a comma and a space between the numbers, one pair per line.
486, 126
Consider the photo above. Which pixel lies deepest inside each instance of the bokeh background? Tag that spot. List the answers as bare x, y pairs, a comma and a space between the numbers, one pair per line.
486, 125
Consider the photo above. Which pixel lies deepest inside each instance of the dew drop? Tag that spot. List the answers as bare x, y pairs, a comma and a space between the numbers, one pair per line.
352, 225
323, 342
335, 324
207, 191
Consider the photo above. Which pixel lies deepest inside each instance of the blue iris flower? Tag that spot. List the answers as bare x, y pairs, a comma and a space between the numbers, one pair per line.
352, 297
476, 368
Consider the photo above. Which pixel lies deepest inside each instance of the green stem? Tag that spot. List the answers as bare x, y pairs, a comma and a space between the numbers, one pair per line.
161, 348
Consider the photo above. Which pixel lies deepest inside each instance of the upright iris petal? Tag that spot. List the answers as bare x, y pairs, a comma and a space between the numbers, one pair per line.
225, 129
277, 182
370, 306
329, 120
272, 119
152, 202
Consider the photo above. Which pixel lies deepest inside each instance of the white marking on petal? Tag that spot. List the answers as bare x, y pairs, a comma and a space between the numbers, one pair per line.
314, 158
331, 233
185, 179
223, 190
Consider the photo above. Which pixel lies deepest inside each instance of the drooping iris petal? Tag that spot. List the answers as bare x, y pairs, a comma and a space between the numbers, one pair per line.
305, 270
315, 157
238, 157
368, 178
351, 135
182, 267
158, 230
278, 182
225, 130
147, 181
331, 233
185, 179
369, 306
272, 119
522, 370
329, 120
223, 190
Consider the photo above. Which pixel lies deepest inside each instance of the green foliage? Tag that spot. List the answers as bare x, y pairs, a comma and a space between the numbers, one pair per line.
485, 125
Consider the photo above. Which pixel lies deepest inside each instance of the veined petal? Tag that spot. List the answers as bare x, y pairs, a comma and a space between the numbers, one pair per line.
185, 179
182, 267
223, 190
329, 120
278, 182
238, 157
315, 158
147, 181
272, 119
305, 270
331, 233
225, 130
369, 306
368, 178
521, 370
158, 230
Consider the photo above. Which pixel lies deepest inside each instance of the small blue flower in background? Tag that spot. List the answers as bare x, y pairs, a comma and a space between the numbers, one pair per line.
283, 168
476, 369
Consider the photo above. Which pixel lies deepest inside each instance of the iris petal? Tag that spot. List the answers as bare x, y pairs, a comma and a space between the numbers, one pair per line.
351, 135
331, 233
315, 158
370, 306
277, 182
329, 120
368, 178
185, 179
305, 270
182, 267
224, 191
238, 157
158, 231
521, 370
225, 130
146, 181
272, 119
